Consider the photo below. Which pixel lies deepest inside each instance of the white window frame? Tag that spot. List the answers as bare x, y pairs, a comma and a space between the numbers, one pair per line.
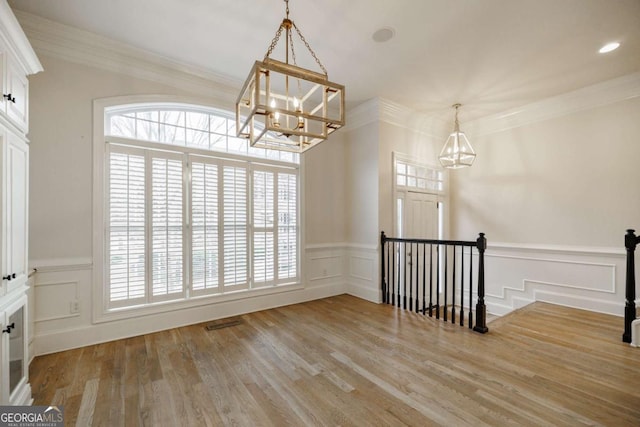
101, 312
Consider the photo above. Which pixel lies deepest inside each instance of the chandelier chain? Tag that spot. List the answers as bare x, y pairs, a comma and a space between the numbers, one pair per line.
293, 58
293, 52
324, 70
274, 42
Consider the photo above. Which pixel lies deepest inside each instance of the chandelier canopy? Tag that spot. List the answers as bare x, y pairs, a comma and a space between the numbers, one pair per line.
286, 107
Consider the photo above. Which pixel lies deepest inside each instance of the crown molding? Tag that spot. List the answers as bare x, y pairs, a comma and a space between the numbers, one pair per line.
13, 37
72, 44
600, 94
382, 110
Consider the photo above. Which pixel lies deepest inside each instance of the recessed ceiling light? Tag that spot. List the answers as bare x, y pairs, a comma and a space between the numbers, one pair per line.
609, 47
383, 34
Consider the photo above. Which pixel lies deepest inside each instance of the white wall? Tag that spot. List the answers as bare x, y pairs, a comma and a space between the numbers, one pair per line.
571, 180
554, 198
362, 184
61, 100
362, 211
325, 191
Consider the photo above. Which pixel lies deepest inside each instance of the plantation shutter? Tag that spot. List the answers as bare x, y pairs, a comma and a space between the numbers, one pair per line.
235, 243
263, 227
204, 227
287, 226
181, 221
167, 264
126, 227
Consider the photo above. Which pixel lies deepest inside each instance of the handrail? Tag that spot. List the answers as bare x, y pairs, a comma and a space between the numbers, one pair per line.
630, 243
405, 262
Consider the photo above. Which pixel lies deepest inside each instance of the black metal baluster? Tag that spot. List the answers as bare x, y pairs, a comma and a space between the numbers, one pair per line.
453, 289
383, 278
437, 281
410, 266
430, 280
393, 273
471, 288
404, 284
461, 285
417, 277
424, 279
388, 274
397, 304
446, 267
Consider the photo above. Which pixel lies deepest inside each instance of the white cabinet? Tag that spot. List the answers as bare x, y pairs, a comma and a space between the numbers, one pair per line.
14, 378
17, 61
16, 95
15, 190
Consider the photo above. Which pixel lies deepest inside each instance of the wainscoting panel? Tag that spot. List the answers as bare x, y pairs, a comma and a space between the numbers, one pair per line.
587, 278
50, 298
362, 274
325, 263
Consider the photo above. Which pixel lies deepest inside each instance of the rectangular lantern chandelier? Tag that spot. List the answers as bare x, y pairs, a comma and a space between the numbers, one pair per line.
285, 107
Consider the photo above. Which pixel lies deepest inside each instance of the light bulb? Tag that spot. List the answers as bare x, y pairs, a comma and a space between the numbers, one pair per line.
275, 116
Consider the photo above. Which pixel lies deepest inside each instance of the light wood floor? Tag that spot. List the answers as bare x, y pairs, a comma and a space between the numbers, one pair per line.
344, 361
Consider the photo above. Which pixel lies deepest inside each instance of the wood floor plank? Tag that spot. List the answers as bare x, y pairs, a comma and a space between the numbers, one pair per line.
344, 361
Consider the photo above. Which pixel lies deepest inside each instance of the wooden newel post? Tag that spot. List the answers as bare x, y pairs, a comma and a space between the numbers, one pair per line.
481, 309
630, 242
383, 281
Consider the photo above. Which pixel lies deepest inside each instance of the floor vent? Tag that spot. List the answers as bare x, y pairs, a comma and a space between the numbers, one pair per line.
223, 323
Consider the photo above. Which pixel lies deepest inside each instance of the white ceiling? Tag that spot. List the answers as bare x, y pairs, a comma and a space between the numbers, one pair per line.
490, 55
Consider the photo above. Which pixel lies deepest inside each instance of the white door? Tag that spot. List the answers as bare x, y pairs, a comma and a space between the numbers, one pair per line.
418, 221
421, 218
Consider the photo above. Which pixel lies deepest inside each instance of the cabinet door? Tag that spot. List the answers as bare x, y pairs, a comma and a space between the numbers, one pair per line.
18, 88
16, 186
15, 389
4, 268
4, 356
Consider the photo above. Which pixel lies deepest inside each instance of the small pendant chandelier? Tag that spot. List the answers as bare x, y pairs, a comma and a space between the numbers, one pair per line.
285, 107
457, 151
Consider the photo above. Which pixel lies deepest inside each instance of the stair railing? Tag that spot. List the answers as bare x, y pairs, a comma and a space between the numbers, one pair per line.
424, 275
